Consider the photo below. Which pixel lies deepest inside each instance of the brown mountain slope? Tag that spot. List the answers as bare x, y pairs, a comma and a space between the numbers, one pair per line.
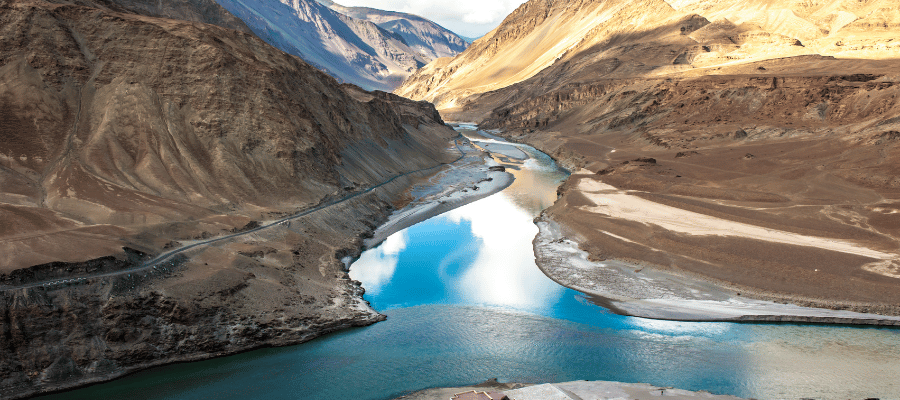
533, 37
120, 129
743, 112
707, 35
109, 126
205, 11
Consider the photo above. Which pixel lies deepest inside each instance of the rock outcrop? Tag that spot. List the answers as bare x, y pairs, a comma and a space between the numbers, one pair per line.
119, 128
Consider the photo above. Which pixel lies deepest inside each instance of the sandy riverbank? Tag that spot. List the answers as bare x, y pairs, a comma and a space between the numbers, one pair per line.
592, 240
643, 290
468, 180
822, 244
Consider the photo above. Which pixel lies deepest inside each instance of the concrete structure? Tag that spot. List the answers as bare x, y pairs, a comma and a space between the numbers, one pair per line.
473, 395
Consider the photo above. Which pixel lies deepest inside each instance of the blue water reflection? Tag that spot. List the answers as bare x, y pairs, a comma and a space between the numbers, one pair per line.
481, 255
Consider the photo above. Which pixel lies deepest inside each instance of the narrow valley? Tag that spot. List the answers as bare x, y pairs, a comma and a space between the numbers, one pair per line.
594, 199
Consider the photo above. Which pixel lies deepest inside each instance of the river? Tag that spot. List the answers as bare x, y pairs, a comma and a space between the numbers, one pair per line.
465, 303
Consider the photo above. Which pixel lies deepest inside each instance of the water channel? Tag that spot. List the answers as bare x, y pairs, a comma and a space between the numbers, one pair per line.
466, 303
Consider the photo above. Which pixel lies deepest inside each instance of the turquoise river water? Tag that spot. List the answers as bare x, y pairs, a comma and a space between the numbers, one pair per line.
465, 303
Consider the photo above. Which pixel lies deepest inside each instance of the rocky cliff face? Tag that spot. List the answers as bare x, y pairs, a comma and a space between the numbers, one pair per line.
352, 50
749, 111
122, 129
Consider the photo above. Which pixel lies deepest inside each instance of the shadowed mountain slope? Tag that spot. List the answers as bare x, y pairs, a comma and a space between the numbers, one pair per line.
428, 38
350, 49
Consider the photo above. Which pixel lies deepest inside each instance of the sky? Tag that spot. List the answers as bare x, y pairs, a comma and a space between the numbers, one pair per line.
470, 18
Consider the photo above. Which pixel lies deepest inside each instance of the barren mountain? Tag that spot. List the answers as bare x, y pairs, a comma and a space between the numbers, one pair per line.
428, 38
125, 130
352, 50
772, 115
657, 38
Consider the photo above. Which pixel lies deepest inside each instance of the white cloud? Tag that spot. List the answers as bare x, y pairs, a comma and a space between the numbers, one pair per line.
394, 244
465, 17
490, 13
376, 266
504, 273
